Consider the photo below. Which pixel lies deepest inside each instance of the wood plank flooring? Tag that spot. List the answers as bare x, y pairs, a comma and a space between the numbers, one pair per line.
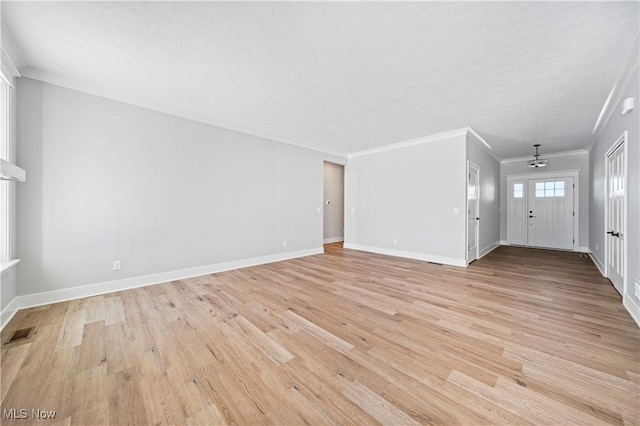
522, 336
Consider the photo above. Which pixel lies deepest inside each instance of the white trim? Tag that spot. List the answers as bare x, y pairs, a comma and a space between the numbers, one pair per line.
550, 155
596, 261
408, 254
475, 137
11, 49
545, 175
491, 247
8, 312
65, 294
8, 69
7, 266
582, 249
617, 92
632, 307
411, 142
333, 240
575, 174
9, 171
96, 90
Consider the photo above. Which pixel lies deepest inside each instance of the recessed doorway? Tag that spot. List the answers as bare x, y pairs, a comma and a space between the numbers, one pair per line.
333, 215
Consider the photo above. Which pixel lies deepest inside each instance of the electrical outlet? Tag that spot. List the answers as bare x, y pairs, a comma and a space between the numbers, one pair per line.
117, 265
284, 244
637, 288
596, 246
395, 241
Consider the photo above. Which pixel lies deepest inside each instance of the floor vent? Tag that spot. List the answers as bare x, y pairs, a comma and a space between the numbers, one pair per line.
20, 335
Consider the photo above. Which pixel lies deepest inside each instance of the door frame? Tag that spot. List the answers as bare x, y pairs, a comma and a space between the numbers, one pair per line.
466, 224
575, 174
621, 140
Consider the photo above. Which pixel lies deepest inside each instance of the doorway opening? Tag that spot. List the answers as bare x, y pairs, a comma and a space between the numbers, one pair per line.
333, 202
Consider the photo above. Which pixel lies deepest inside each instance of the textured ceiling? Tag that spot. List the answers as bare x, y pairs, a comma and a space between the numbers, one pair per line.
344, 77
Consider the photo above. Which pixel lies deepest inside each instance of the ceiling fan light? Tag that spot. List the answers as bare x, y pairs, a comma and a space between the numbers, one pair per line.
537, 161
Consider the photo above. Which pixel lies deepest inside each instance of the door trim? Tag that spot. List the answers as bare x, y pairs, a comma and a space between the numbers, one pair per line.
575, 174
466, 234
625, 270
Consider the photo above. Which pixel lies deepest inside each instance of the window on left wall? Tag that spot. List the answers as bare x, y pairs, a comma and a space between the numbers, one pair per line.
5, 189
9, 172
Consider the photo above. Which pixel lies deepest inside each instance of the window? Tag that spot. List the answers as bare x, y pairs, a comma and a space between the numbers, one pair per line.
550, 189
5, 189
518, 190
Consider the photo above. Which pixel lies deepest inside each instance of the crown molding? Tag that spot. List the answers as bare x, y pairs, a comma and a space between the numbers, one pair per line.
546, 156
9, 70
465, 131
483, 144
631, 63
104, 92
410, 142
12, 59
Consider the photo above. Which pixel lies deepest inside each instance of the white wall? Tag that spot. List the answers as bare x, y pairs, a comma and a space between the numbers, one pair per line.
333, 228
109, 181
613, 129
575, 161
409, 194
489, 237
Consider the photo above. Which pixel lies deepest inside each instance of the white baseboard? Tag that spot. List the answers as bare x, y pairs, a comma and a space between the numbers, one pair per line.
491, 247
48, 297
504, 243
582, 249
597, 262
8, 312
333, 240
632, 307
408, 254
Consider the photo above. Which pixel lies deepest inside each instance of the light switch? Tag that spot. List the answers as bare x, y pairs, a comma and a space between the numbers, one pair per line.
456, 210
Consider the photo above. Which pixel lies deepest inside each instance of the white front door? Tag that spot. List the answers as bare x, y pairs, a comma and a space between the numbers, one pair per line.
473, 200
615, 216
550, 213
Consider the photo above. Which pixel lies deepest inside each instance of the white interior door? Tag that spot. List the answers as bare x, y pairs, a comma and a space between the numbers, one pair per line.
550, 214
517, 220
473, 216
615, 217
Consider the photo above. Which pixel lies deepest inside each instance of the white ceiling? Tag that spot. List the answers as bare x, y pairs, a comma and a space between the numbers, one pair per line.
344, 77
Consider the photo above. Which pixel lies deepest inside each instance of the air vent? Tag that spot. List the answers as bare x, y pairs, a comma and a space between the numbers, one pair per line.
20, 335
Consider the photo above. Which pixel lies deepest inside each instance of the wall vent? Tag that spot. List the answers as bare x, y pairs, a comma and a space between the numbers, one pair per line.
20, 335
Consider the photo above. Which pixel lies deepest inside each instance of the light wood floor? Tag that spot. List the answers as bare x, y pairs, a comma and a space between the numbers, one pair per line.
520, 337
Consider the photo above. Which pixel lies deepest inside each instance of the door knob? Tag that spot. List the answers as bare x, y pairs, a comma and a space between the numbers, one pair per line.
616, 234
531, 216
477, 218
610, 232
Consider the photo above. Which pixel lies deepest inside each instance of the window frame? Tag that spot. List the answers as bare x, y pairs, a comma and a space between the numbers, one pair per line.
9, 172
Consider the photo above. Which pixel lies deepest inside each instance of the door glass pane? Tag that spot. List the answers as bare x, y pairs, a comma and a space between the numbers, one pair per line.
518, 190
